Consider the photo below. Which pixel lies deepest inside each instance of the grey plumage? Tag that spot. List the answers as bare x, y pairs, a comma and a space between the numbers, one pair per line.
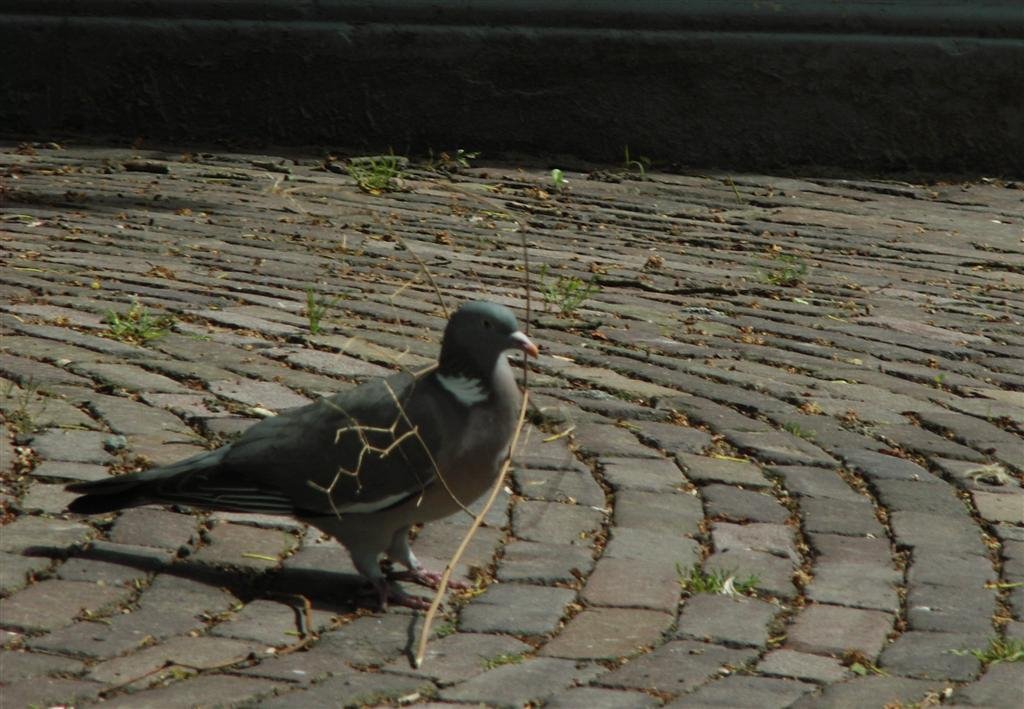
366, 464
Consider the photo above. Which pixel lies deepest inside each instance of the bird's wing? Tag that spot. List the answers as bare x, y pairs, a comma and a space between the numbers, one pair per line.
355, 452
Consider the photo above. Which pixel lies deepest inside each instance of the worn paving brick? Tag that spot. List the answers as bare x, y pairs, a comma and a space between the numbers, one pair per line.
680, 513
15, 665
458, 657
16, 571
536, 562
923, 497
69, 471
677, 666
207, 690
869, 692
268, 395
1004, 507
812, 482
925, 531
706, 469
671, 438
185, 652
49, 692
114, 564
46, 499
803, 666
372, 640
774, 574
72, 445
606, 633
930, 655
665, 549
632, 583
608, 441
745, 691
963, 606
515, 685
776, 539
658, 475
1002, 685
834, 630
733, 503
272, 623
715, 618
854, 571
242, 546
852, 518
147, 526
51, 604
597, 698
780, 447
573, 486
554, 522
517, 609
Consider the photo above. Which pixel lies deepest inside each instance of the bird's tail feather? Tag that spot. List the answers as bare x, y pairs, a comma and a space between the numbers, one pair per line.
122, 491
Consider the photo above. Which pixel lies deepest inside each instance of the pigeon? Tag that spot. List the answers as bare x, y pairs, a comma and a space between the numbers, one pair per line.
367, 464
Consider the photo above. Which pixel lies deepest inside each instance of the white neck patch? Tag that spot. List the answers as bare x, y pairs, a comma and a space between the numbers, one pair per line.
466, 390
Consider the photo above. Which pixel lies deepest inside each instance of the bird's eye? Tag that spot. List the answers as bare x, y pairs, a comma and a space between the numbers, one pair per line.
487, 324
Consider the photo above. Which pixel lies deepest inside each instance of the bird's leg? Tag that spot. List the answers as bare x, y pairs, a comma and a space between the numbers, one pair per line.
399, 551
387, 593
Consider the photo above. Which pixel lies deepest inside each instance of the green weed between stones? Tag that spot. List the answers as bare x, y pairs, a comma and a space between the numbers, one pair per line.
503, 659
998, 650
697, 580
376, 174
567, 293
17, 406
798, 431
558, 181
791, 273
316, 310
137, 326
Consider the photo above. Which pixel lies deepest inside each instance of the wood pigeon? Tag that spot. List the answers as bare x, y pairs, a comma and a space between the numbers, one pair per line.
368, 463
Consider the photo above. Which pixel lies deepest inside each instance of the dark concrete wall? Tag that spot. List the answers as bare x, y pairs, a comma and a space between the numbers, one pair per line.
884, 85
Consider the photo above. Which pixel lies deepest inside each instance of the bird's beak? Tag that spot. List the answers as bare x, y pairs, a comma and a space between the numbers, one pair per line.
523, 342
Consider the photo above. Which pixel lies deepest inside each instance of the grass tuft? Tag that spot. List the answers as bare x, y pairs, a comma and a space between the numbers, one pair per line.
137, 325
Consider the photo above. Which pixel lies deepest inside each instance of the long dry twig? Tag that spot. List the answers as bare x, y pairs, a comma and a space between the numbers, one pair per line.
442, 586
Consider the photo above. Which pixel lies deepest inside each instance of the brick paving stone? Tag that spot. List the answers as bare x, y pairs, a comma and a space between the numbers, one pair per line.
803, 666
1001, 507
555, 522
780, 447
235, 545
113, 564
16, 571
597, 698
869, 692
774, 575
834, 630
129, 417
716, 416
186, 652
127, 376
335, 364
680, 513
776, 539
559, 486
705, 469
606, 440
40, 374
372, 640
302, 668
659, 475
535, 453
671, 438
745, 691
963, 606
941, 569
268, 395
458, 657
851, 518
48, 499
207, 690
49, 692
854, 571
607, 633
72, 445
51, 604
677, 666
930, 655
516, 609
878, 466
917, 439
515, 685
733, 503
271, 623
351, 688
16, 665
537, 562
923, 497
147, 526
1002, 685
923, 531
810, 482
631, 583
716, 618
665, 549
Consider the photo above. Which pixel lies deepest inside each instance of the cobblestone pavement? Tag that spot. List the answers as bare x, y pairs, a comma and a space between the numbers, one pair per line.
814, 387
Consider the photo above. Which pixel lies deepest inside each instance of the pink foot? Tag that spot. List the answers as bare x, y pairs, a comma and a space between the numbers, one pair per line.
389, 595
430, 579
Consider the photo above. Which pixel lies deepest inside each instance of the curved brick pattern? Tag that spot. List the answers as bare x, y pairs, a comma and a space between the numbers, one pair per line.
809, 386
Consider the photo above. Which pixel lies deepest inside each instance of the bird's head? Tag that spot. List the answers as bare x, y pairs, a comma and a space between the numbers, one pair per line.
478, 334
